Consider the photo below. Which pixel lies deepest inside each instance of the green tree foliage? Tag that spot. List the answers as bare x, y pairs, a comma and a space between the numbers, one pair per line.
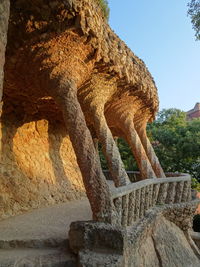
105, 8
194, 13
176, 141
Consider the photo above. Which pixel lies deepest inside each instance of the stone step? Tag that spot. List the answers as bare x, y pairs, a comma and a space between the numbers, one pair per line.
31, 257
39, 238
45, 223
34, 243
100, 259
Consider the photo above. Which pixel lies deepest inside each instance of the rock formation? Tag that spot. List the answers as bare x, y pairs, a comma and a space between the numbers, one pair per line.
160, 239
65, 66
69, 83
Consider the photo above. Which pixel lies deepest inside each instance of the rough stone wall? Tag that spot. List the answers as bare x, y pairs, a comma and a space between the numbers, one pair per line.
163, 238
159, 239
38, 167
4, 15
166, 246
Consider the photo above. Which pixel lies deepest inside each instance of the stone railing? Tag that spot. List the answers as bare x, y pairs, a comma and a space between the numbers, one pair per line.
134, 176
133, 200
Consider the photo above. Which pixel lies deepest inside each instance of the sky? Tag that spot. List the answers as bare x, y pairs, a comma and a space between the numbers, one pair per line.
161, 34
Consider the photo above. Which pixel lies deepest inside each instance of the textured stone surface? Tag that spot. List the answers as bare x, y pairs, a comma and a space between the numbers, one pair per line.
40, 238
94, 259
66, 67
146, 255
37, 257
4, 16
152, 241
44, 227
93, 236
165, 245
171, 245
38, 167
130, 208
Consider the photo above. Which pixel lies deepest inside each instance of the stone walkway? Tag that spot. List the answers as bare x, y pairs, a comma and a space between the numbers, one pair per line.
40, 237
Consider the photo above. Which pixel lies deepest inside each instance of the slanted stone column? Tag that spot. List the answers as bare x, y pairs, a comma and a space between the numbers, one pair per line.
110, 149
141, 131
4, 16
122, 113
137, 148
95, 183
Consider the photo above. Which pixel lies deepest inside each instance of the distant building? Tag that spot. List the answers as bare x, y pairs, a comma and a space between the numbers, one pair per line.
194, 113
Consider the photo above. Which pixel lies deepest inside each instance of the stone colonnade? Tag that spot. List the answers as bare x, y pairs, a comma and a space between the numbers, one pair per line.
130, 117
93, 78
122, 117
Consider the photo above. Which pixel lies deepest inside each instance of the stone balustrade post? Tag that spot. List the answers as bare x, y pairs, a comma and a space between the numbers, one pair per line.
171, 193
156, 188
189, 192
162, 193
142, 202
125, 207
148, 197
151, 196
132, 199
179, 191
137, 205
185, 191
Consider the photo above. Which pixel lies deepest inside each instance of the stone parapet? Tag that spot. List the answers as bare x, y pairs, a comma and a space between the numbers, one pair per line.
141, 244
134, 200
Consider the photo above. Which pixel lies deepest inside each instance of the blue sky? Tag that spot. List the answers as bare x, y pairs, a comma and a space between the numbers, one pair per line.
160, 33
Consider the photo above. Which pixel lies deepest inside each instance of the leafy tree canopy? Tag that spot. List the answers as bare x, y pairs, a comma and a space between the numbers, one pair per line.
176, 141
171, 116
194, 13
